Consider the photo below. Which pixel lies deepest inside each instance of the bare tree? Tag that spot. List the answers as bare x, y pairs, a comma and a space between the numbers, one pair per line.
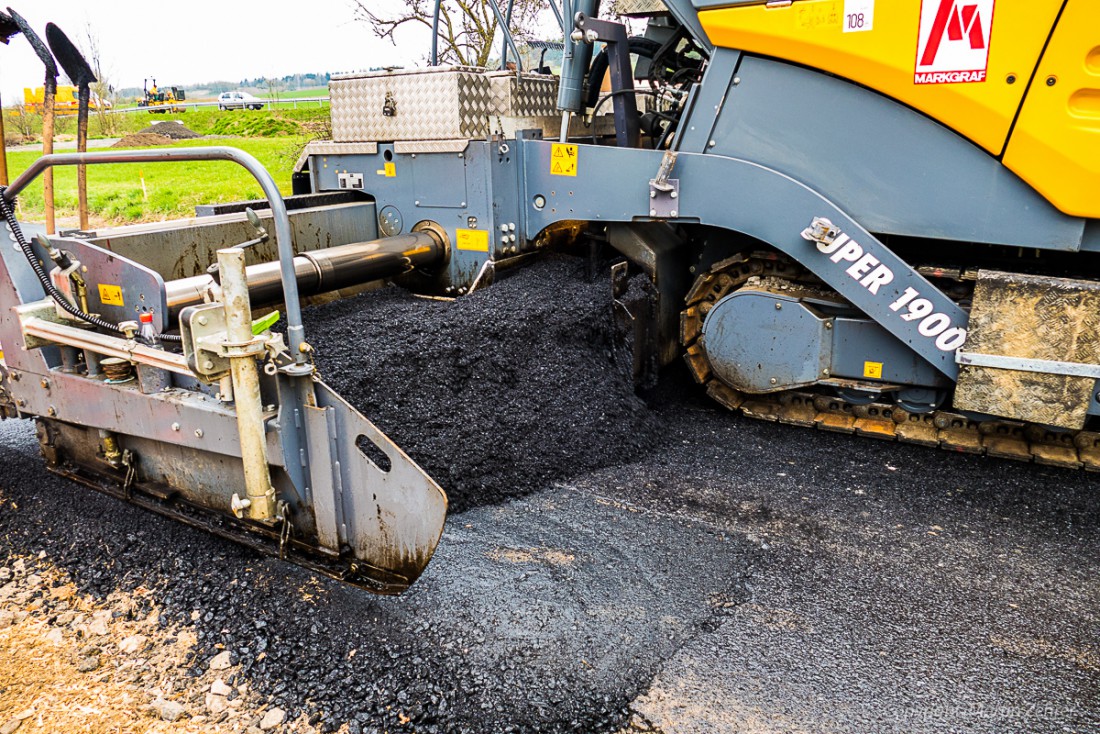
467, 28
101, 88
25, 121
274, 87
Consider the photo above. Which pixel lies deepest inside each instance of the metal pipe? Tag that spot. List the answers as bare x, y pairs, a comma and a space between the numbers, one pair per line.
105, 345
48, 97
84, 92
504, 41
246, 388
3, 152
49, 90
507, 33
577, 56
557, 14
435, 33
320, 271
295, 330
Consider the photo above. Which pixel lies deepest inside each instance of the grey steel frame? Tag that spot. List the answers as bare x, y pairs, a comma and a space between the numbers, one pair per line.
385, 521
295, 330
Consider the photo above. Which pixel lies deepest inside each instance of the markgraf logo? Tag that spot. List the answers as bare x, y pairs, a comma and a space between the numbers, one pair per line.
953, 45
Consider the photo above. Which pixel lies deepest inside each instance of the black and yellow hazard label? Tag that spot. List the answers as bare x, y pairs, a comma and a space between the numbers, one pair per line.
873, 370
475, 240
563, 159
110, 295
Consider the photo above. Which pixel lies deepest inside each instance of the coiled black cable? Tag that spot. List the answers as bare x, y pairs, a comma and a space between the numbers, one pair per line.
44, 279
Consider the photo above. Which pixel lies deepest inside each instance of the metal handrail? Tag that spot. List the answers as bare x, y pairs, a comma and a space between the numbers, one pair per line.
509, 41
504, 41
283, 237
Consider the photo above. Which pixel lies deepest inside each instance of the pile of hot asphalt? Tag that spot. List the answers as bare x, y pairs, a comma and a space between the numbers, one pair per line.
496, 394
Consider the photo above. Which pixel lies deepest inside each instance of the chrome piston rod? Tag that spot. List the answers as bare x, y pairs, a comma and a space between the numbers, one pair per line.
321, 271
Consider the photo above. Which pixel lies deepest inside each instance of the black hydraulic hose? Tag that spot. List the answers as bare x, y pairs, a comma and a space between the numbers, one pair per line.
609, 95
44, 279
638, 45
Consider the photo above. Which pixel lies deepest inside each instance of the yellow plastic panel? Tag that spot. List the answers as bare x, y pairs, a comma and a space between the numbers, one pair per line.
1055, 146
900, 43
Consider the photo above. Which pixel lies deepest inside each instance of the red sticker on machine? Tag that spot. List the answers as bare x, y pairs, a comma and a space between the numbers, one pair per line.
953, 43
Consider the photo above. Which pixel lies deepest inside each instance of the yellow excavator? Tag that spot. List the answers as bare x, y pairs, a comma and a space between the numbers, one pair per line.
159, 100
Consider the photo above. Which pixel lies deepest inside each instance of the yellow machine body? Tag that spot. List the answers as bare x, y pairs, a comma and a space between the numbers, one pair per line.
65, 100
1019, 78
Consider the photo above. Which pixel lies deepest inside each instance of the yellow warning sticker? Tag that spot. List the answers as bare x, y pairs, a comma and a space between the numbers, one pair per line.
391, 170
475, 240
563, 160
110, 295
872, 370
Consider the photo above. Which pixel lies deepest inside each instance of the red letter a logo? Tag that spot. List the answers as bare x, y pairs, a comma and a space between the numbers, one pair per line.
958, 22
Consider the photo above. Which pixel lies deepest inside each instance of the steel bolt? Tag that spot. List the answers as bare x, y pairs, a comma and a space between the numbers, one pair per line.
652, 212
774, 381
711, 144
673, 213
21, 403
737, 80
652, 194
52, 411
826, 373
198, 433
203, 321
1051, 81
175, 426
674, 194
828, 324
778, 306
208, 365
45, 383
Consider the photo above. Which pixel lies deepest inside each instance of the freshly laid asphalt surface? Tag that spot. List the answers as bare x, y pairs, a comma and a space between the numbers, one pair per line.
734, 576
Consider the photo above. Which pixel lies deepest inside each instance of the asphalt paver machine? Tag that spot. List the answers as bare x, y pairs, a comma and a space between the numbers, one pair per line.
857, 215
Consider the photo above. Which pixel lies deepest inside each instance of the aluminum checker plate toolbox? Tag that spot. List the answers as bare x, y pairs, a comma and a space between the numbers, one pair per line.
438, 103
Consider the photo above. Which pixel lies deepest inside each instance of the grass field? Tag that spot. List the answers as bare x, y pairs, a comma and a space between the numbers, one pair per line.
305, 120
171, 190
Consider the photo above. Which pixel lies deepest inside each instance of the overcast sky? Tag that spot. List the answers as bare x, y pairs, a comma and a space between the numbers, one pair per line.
191, 41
